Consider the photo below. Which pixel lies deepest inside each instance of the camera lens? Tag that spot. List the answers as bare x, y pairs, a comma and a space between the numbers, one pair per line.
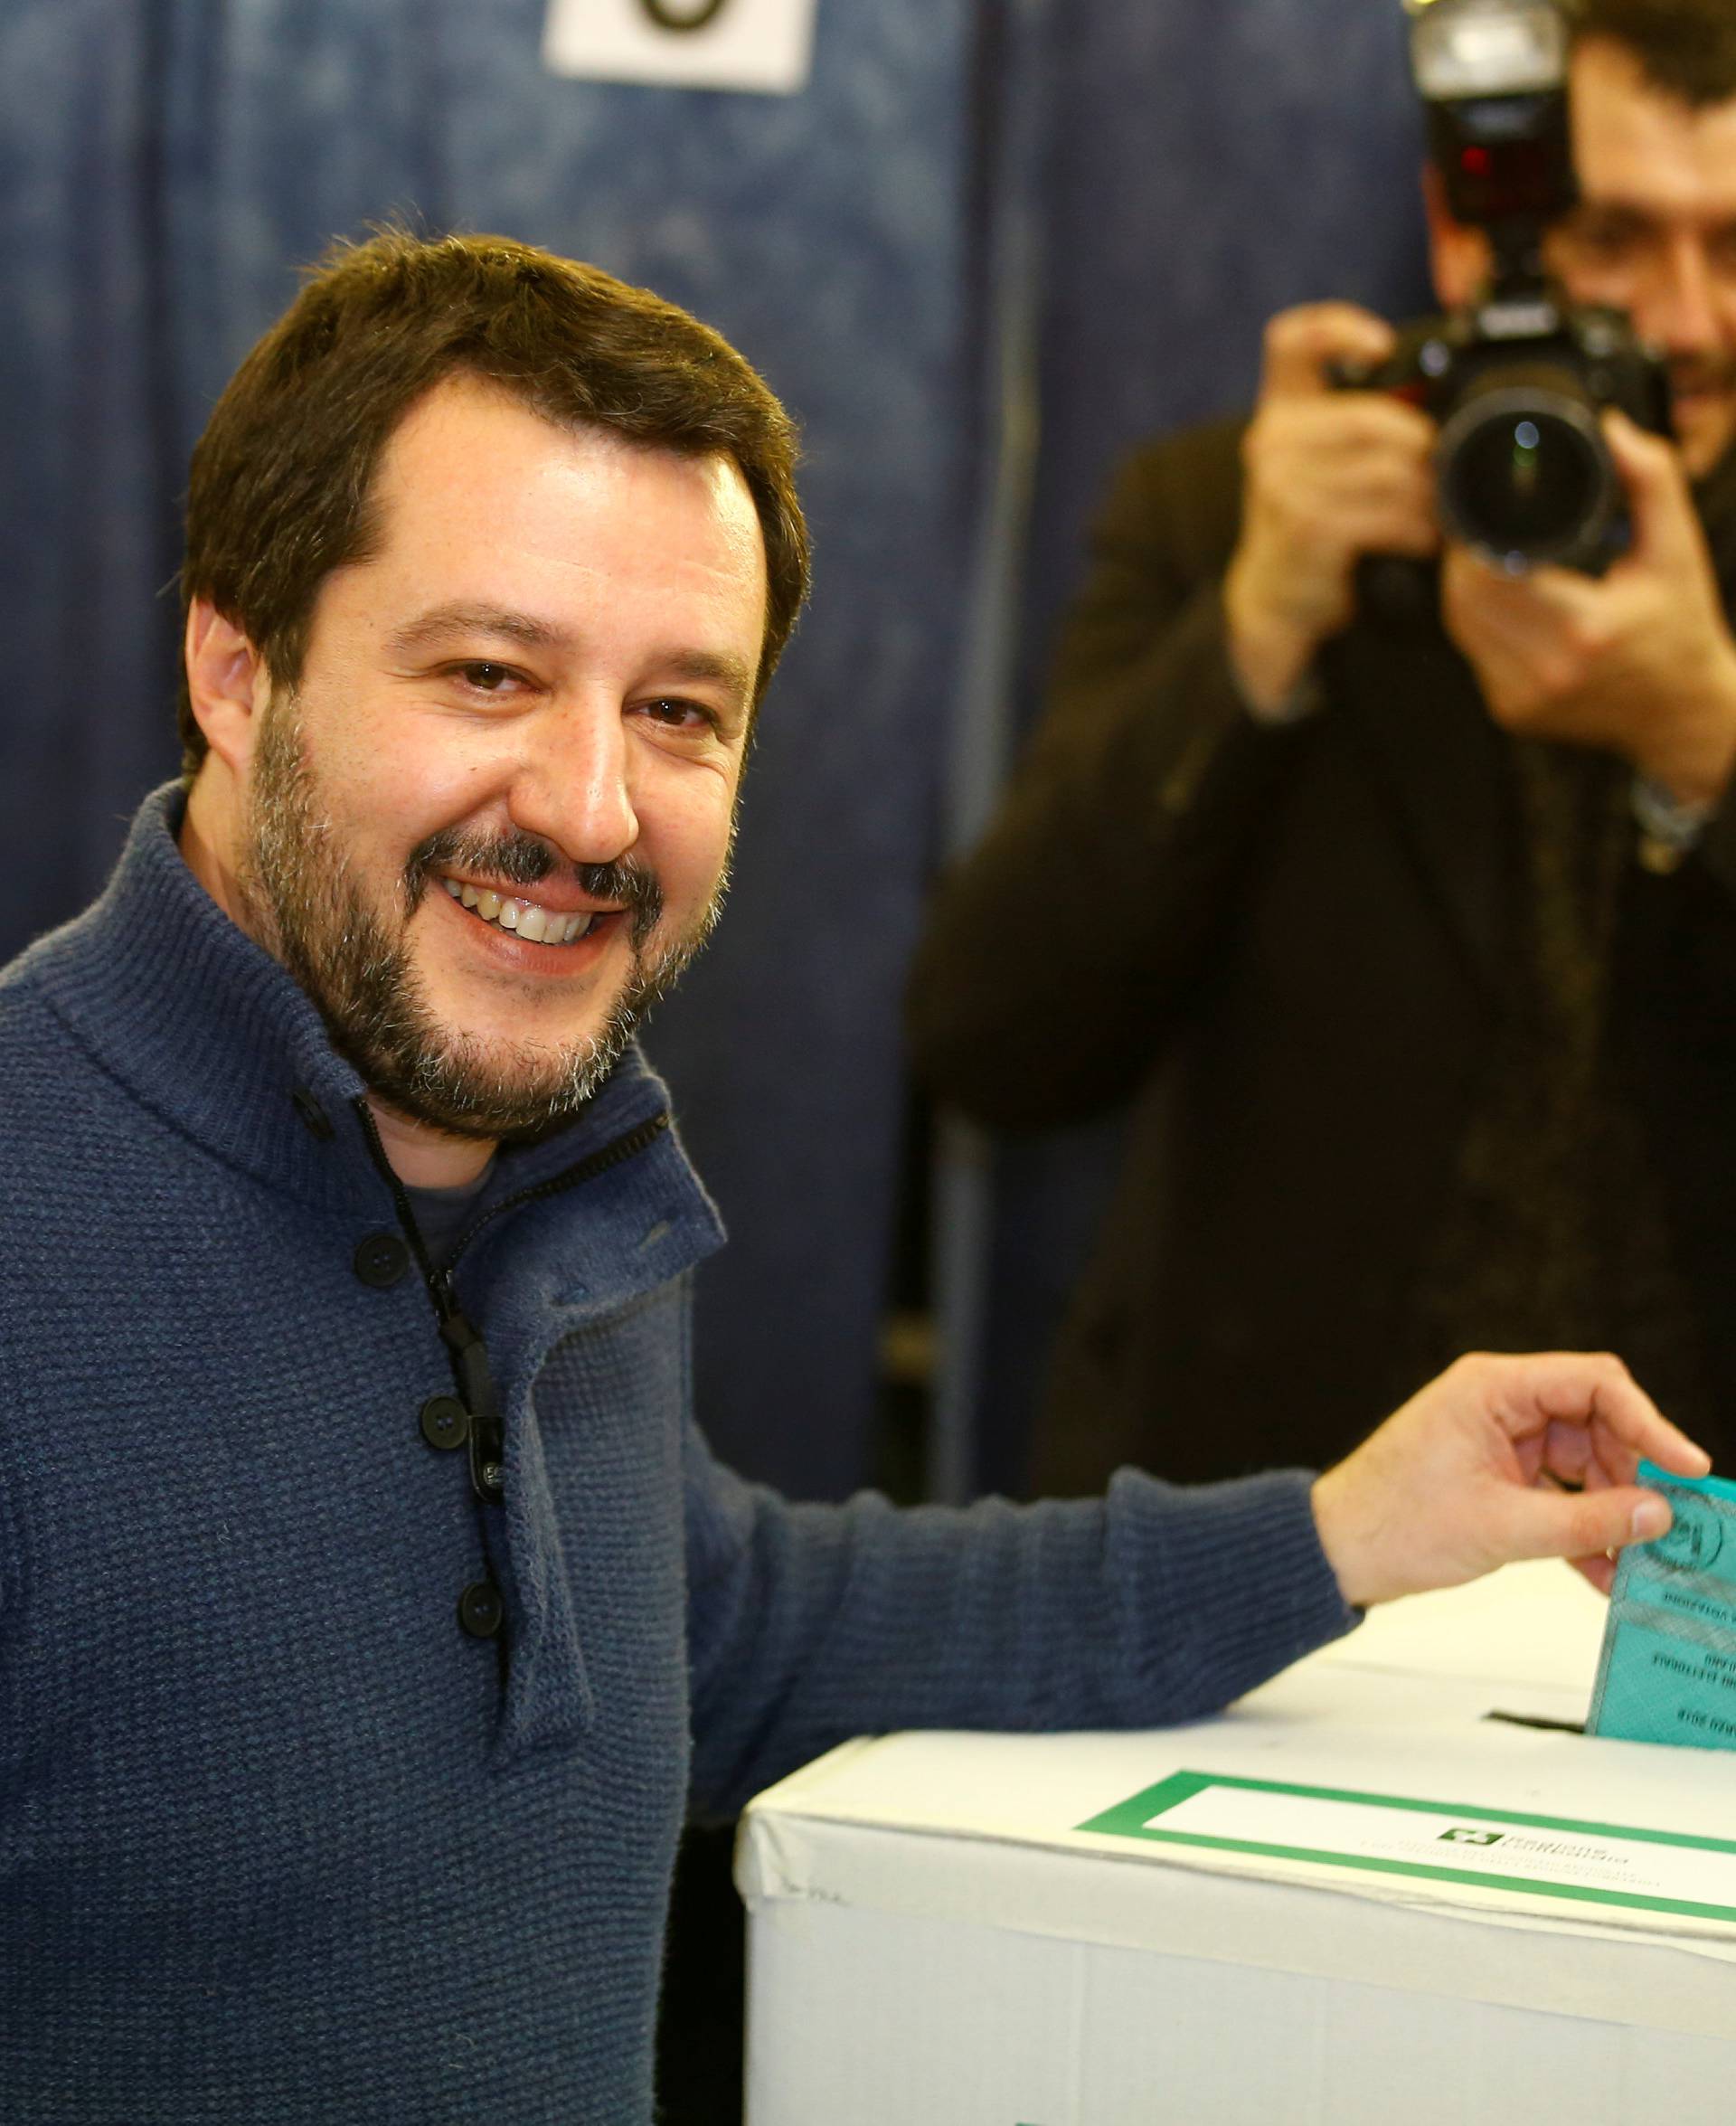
1526, 477
1526, 484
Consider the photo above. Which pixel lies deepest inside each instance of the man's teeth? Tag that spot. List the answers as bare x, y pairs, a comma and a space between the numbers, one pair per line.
542, 925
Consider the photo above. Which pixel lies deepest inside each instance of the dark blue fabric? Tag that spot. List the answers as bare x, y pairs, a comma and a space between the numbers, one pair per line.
1207, 166
279, 1843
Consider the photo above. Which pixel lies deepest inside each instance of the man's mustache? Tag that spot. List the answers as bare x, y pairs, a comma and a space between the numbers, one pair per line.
522, 860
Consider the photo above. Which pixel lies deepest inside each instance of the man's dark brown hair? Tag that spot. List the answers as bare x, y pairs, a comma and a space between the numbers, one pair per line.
1686, 47
282, 478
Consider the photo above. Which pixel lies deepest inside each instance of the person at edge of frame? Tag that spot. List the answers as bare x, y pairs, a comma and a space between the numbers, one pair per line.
372, 1612
1413, 943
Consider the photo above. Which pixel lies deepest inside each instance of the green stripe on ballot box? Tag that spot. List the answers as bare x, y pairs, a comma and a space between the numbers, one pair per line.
1441, 1841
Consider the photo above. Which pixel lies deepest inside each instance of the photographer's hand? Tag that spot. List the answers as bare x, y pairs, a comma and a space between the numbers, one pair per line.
1329, 476
1638, 662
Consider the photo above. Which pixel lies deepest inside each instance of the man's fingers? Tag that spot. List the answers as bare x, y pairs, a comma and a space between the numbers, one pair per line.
1570, 1455
1301, 342
1600, 1571
1666, 529
1374, 524
1590, 1387
1546, 1523
1637, 1423
1538, 593
1541, 621
1613, 1456
1355, 434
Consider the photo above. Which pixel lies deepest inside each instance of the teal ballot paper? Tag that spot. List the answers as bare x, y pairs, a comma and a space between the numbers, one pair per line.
1668, 1670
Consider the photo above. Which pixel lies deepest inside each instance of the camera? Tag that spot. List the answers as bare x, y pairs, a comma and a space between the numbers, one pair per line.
1516, 380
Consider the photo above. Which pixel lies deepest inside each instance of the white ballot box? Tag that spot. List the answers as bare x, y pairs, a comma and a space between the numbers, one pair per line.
1355, 1899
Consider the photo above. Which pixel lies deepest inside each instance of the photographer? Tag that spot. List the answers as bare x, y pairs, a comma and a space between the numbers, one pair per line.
1415, 937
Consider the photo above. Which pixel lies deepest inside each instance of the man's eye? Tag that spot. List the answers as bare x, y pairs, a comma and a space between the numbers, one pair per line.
1603, 239
484, 677
680, 716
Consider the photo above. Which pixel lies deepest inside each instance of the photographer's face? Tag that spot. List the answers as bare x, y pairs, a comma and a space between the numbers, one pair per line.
1654, 234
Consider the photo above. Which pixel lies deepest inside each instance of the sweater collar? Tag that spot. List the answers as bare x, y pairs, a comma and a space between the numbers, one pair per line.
212, 1035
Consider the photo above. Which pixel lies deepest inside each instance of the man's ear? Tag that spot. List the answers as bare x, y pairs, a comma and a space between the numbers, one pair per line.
227, 684
1458, 255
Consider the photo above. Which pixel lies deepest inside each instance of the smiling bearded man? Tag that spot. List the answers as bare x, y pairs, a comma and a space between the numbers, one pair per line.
535, 667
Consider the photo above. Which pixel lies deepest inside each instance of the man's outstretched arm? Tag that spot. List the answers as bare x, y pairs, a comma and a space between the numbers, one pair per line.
809, 1624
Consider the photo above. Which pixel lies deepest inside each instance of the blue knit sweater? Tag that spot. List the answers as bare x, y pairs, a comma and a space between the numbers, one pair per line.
278, 1840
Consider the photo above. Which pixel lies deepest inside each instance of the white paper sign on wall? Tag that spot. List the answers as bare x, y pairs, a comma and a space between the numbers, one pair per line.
762, 44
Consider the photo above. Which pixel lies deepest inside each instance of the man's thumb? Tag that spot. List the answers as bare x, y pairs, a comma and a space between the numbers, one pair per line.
1658, 489
1580, 1524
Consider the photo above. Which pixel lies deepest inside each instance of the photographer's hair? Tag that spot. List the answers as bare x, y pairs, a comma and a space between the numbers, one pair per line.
281, 483
1686, 47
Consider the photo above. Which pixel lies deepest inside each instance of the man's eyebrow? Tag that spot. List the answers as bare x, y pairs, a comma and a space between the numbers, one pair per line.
704, 663
442, 621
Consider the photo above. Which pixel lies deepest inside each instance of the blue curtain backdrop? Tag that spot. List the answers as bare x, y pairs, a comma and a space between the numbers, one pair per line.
166, 164
1198, 167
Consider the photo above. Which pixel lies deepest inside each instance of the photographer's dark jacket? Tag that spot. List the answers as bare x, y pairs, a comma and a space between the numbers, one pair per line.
1314, 956
281, 1843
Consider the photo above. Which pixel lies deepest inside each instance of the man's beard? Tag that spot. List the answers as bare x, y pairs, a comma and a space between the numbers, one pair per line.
1703, 372
354, 960
1708, 376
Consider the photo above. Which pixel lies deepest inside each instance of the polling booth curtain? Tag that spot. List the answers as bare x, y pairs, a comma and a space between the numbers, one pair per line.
167, 165
1197, 167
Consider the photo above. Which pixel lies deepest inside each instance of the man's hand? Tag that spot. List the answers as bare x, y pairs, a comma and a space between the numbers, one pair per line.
1469, 1475
1638, 662
1329, 476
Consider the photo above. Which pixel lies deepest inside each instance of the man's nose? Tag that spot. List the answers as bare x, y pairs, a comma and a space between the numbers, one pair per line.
1682, 315
572, 788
